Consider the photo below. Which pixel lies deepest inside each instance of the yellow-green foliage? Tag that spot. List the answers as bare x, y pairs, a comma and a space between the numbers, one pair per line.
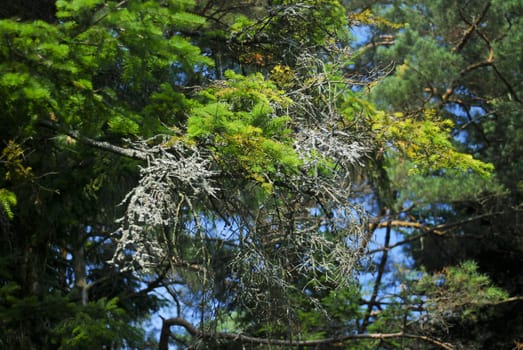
241, 121
282, 76
426, 142
367, 17
12, 158
7, 202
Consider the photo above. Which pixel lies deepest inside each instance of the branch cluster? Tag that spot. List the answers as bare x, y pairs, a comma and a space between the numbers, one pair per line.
302, 234
175, 174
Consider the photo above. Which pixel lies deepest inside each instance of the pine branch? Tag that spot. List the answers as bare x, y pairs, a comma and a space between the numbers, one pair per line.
472, 27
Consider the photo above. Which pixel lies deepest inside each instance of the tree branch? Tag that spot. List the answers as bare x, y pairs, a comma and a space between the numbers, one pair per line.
238, 337
436, 230
383, 40
508, 85
377, 283
106, 146
509, 300
409, 224
472, 27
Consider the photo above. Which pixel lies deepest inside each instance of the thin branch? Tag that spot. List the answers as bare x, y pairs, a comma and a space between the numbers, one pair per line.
398, 244
106, 146
472, 27
509, 300
408, 224
150, 286
383, 40
508, 85
163, 344
439, 230
377, 283
471, 67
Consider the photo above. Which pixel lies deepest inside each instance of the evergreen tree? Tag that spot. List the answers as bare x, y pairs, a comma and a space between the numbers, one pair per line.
458, 59
75, 81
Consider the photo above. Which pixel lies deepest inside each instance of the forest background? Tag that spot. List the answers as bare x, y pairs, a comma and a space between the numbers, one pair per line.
254, 175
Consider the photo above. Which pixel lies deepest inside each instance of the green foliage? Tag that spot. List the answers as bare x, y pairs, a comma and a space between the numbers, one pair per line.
239, 121
449, 185
425, 59
286, 30
124, 125
107, 70
75, 7
338, 309
453, 59
59, 322
27, 321
96, 325
7, 202
12, 158
426, 144
367, 17
459, 291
